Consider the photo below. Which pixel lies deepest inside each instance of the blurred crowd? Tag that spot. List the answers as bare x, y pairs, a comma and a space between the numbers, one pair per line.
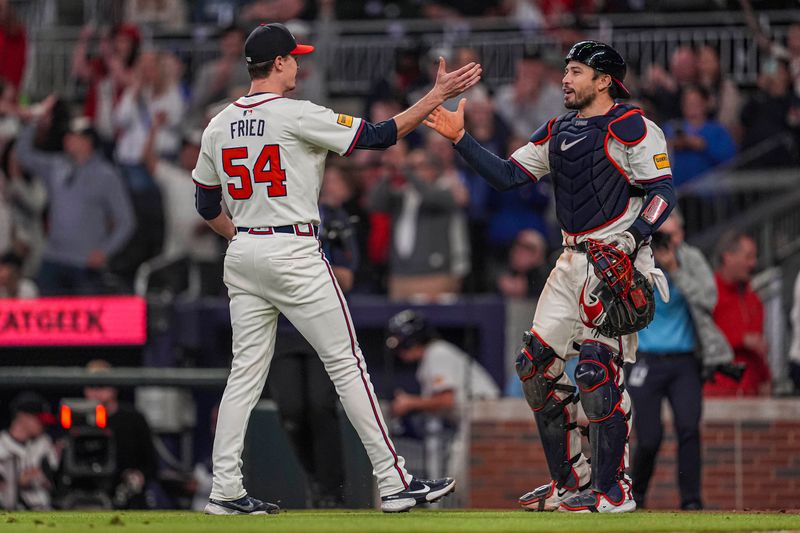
534, 14
92, 189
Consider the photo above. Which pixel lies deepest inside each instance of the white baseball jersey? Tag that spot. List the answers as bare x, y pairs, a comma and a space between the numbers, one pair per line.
268, 152
445, 367
641, 162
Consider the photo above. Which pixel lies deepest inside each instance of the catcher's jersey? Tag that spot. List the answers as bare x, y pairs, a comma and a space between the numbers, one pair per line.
647, 160
268, 154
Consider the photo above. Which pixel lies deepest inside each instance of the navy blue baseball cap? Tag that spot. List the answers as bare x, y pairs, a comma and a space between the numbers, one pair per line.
269, 41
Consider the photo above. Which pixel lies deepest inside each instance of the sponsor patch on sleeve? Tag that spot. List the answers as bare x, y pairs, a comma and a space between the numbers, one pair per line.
345, 120
661, 160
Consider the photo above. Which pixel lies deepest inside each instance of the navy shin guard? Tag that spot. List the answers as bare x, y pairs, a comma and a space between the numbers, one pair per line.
598, 375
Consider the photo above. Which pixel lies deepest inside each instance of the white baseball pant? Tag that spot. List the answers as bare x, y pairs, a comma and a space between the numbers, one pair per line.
286, 273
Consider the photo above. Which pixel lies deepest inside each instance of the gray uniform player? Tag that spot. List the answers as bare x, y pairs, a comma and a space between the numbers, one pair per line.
265, 155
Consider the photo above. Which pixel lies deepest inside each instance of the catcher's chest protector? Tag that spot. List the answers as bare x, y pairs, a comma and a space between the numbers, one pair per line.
590, 191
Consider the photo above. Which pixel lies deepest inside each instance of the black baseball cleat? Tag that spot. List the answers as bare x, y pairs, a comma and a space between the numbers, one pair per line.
244, 505
418, 491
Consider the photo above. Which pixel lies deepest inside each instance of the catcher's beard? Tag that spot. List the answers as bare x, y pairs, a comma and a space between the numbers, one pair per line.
581, 102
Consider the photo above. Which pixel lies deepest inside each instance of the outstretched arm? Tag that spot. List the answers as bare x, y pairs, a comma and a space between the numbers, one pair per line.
448, 84
501, 174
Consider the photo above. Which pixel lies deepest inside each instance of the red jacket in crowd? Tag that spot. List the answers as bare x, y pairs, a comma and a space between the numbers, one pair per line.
13, 47
739, 312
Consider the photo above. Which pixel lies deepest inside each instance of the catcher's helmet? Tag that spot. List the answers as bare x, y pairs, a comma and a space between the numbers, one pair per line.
603, 58
406, 329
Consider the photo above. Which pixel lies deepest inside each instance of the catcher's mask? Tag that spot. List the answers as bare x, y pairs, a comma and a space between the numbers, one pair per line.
619, 300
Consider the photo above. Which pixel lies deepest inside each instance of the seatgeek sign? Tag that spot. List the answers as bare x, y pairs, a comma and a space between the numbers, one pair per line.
73, 321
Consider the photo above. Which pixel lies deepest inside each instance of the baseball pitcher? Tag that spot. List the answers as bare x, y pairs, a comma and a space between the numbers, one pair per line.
613, 188
265, 154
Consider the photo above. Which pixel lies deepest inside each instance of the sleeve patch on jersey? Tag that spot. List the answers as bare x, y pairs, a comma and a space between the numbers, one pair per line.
654, 209
661, 161
345, 120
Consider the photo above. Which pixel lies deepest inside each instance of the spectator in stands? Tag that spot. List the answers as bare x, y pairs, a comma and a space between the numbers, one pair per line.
514, 211
526, 13
12, 284
767, 119
13, 46
531, 99
794, 349
6, 220
789, 52
185, 234
740, 315
407, 78
340, 190
28, 458
272, 10
133, 442
527, 266
725, 101
664, 88
150, 93
429, 252
681, 339
696, 143
27, 197
152, 96
379, 167
90, 213
107, 74
216, 79
170, 15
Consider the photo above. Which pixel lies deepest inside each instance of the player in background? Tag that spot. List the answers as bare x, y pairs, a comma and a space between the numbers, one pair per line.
265, 154
612, 183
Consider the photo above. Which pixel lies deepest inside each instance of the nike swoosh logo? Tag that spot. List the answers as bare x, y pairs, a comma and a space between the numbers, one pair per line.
566, 146
424, 490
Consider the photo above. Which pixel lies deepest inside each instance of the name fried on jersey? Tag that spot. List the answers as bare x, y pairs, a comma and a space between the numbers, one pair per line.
248, 127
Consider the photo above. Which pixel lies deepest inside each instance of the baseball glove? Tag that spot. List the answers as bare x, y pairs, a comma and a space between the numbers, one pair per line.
622, 301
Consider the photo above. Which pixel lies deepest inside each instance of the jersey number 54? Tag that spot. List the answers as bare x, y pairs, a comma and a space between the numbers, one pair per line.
266, 170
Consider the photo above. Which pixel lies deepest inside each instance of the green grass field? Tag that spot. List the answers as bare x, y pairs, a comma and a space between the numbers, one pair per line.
418, 521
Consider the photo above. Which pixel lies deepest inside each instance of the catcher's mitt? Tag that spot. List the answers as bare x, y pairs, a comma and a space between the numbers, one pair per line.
619, 300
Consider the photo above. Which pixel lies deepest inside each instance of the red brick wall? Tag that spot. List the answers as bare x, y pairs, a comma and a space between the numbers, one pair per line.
756, 466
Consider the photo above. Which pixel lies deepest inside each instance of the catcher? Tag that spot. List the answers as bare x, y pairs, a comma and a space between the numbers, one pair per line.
613, 188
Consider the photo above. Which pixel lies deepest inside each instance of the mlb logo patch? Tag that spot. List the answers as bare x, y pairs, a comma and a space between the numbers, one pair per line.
247, 112
661, 161
345, 120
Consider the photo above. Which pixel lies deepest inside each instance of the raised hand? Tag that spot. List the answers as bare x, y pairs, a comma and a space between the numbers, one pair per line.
450, 84
449, 124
